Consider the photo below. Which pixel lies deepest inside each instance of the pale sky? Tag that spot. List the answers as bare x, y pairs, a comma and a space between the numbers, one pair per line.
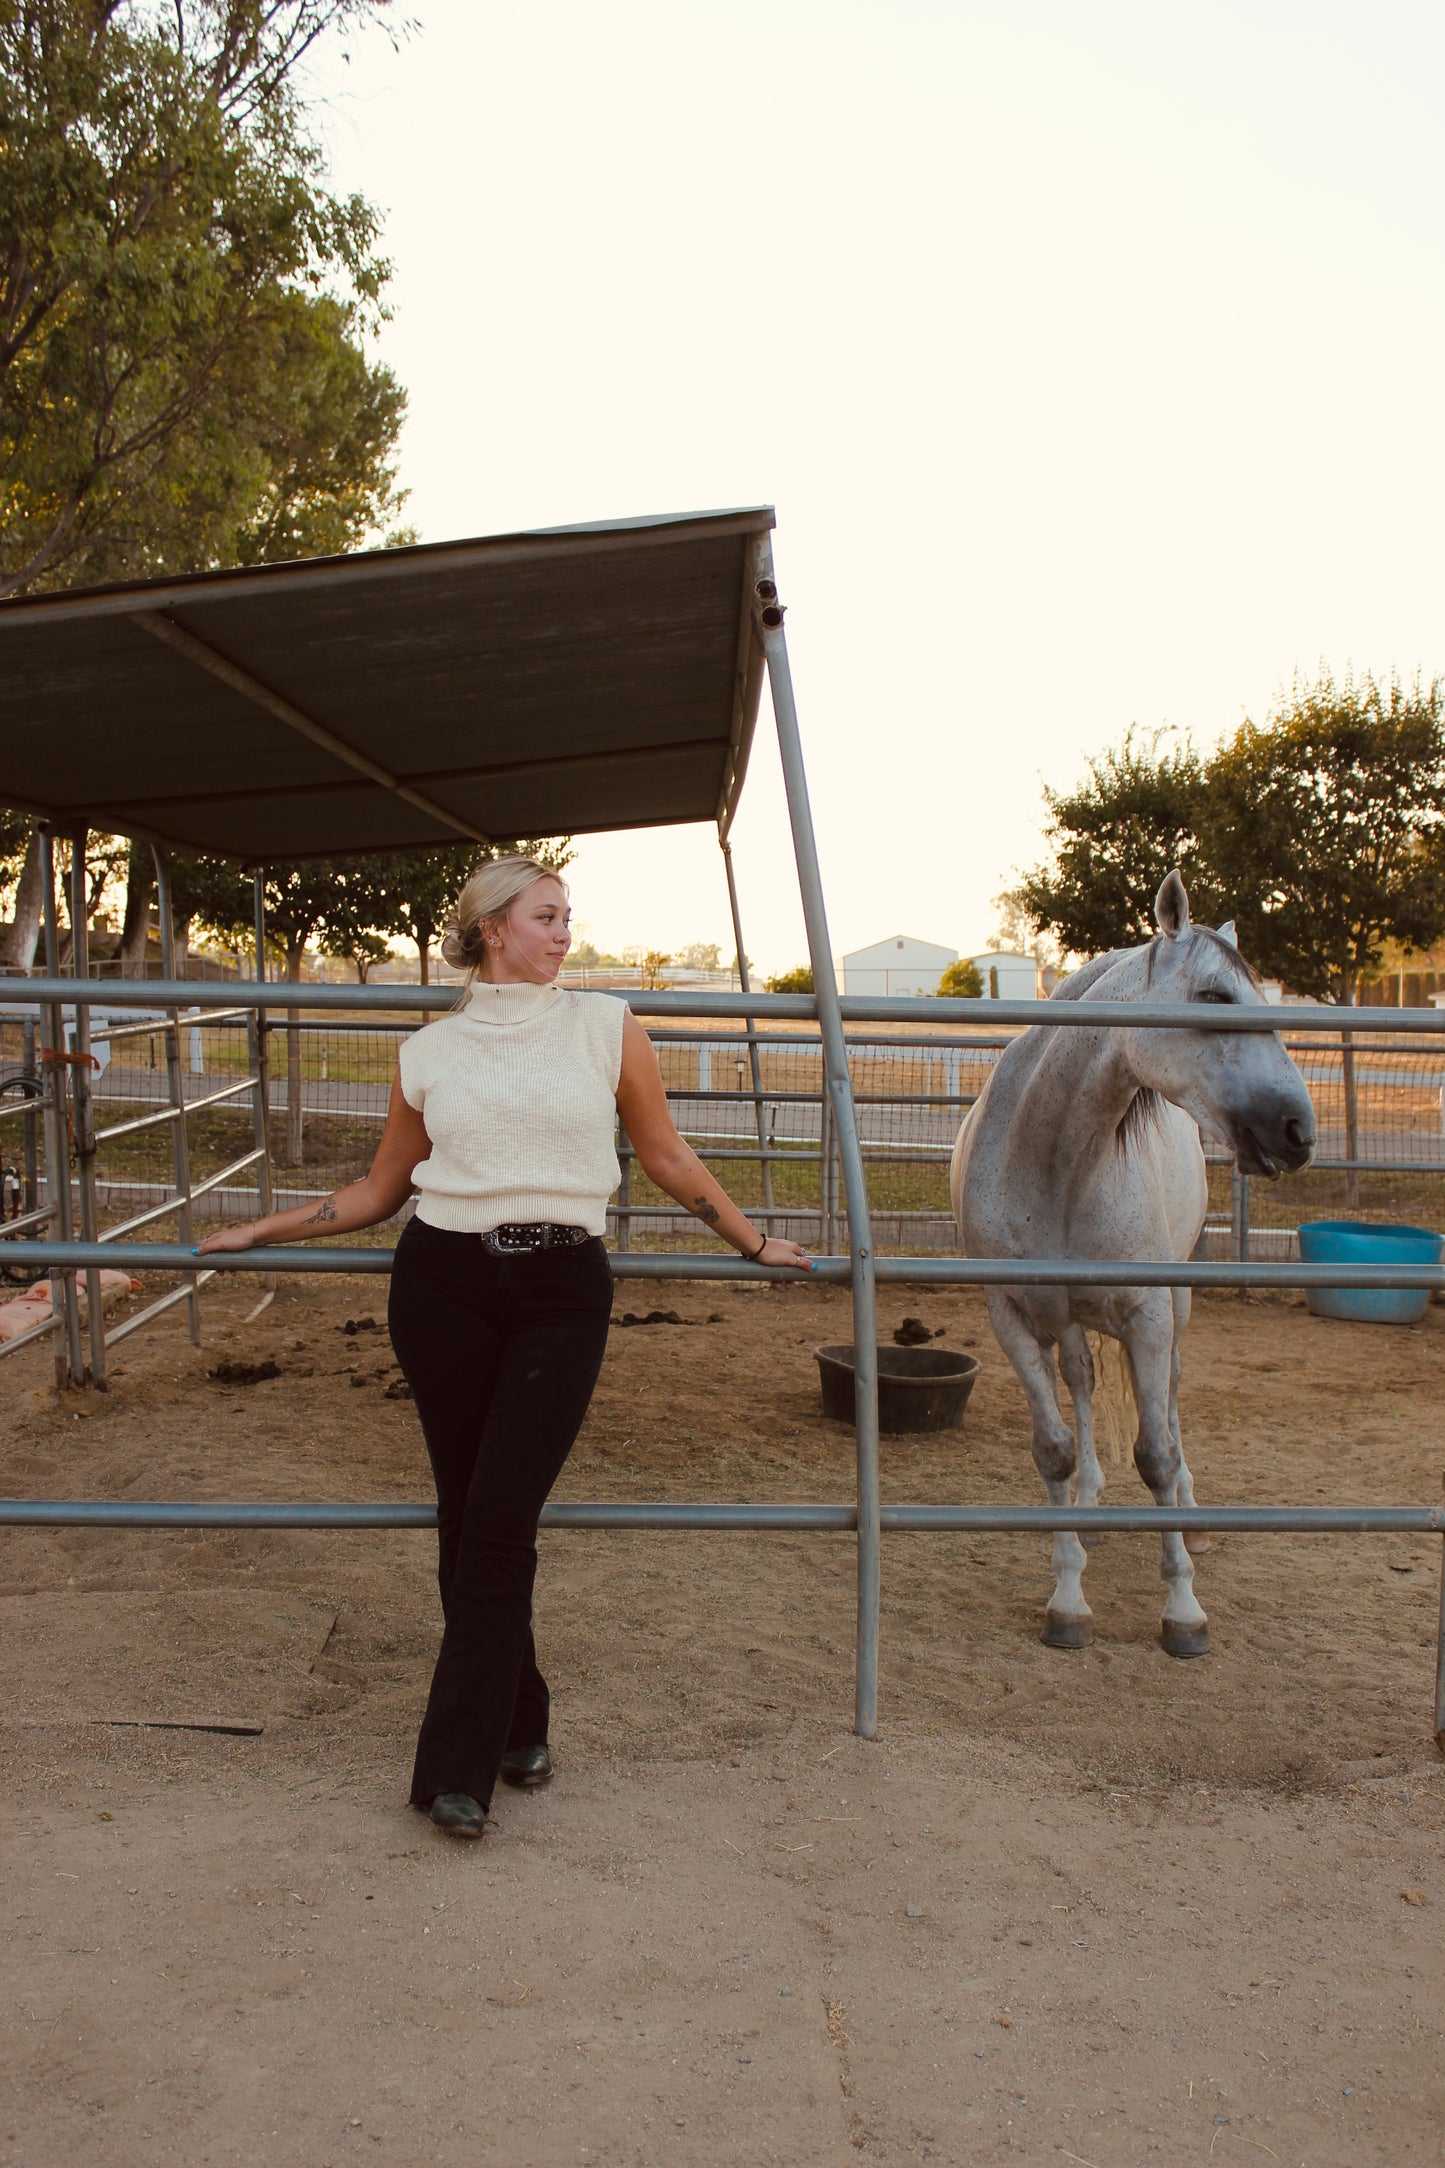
1090, 352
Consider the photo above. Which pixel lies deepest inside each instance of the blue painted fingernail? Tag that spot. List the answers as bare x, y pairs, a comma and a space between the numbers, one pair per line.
196, 1252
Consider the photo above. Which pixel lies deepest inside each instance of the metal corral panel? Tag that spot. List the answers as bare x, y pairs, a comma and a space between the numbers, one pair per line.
564, 681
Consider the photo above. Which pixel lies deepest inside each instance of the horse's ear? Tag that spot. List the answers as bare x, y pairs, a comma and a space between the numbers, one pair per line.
1171, 907
1227, 933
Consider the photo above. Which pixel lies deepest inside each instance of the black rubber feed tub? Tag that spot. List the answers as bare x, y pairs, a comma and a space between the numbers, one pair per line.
919, 1388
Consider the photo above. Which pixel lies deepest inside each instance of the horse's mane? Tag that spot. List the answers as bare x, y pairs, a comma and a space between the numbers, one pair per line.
1143, 1110
1077, 984
1228, 955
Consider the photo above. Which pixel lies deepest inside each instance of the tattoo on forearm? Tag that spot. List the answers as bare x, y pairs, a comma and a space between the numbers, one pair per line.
326, 1210
707, 1213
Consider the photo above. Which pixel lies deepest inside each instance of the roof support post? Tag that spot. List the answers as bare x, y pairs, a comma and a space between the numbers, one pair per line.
69, 1358
83, 1102
176, 1085
260, 1058
750, 1024
845, 1128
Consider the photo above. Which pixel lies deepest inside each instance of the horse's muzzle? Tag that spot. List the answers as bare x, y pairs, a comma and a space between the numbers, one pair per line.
1271, 1149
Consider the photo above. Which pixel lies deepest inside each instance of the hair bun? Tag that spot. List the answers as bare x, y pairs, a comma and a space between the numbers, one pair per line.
457, 950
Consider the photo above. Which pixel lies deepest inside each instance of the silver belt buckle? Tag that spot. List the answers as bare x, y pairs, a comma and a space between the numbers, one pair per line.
512, 1239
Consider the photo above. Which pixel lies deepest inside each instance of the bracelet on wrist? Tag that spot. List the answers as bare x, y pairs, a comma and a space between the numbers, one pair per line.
757, 1253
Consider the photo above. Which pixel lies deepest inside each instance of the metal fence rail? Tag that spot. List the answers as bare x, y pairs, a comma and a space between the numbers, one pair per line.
706, 1514
755, 1105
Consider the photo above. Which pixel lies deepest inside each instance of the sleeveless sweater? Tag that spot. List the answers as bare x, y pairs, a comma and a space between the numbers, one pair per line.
518, 1091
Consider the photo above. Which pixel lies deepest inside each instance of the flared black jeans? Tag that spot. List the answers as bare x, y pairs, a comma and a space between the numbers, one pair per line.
502, 1355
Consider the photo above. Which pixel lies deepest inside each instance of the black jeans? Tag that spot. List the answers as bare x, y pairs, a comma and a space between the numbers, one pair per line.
502, 1354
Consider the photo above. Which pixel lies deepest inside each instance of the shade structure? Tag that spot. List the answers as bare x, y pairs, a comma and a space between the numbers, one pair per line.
561, 681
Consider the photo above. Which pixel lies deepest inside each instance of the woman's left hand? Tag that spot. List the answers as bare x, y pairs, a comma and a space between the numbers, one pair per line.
778, 1253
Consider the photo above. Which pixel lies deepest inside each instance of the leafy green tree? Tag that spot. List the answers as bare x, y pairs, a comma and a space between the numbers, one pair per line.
1112, 841
797, 981
140, 882
1320, 831
19, 890
301, 899
961, 981
183, 303
422, 886
354, 921
1326, 827
1016, 930
1327, 823
358, 947
21, 885
214, 893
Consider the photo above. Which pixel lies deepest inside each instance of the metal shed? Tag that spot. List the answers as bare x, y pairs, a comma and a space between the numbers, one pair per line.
901, 964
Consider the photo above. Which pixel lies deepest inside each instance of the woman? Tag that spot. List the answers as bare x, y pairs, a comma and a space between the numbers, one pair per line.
502, 1117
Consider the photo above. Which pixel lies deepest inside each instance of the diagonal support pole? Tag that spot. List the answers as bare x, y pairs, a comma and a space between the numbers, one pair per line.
750, 1025
769, 619
69, 1356
176, 1087
204, 657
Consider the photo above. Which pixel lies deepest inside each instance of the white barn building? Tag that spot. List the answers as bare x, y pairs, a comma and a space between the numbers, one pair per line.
900, 965
1018, 975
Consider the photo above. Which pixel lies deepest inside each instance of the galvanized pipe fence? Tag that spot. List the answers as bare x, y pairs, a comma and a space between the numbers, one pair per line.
58, 1081
725, 1087
218, 1009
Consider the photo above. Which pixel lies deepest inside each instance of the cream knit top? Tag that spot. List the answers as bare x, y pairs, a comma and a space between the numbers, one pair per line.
518, 1091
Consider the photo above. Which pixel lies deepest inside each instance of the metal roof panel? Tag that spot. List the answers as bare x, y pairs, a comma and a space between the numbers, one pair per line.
567, 680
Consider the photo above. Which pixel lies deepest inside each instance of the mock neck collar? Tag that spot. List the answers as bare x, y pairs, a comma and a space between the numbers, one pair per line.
514, 1002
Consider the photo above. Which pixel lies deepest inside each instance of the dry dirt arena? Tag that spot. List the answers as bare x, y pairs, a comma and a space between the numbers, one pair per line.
1099, 1909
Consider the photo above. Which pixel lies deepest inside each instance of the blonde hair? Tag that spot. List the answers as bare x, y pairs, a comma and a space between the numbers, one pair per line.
488, 894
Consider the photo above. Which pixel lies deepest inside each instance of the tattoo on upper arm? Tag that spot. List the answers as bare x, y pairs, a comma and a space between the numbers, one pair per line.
707, 1213
326, 1210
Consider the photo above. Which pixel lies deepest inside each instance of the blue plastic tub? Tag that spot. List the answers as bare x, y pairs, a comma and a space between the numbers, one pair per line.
1366, 1242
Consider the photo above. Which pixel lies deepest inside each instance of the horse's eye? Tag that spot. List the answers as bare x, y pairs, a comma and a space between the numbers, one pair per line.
1215, 993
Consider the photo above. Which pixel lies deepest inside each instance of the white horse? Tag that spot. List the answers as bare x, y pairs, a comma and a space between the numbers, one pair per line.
1085, 1144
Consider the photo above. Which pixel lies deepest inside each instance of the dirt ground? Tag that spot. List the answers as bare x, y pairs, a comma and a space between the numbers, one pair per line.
1099, 1909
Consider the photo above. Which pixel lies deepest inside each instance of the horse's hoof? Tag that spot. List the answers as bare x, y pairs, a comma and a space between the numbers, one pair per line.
1185, 1640
1067, 1633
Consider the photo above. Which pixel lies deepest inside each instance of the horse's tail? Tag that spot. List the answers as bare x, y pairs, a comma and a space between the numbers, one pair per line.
1114, 1408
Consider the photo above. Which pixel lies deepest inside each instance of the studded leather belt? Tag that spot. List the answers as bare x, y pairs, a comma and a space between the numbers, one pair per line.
515, 1238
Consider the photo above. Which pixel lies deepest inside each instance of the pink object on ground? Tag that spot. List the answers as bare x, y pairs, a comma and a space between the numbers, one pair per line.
24, 1312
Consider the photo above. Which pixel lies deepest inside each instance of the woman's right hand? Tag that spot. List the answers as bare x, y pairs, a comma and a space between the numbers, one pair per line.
242, 1237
